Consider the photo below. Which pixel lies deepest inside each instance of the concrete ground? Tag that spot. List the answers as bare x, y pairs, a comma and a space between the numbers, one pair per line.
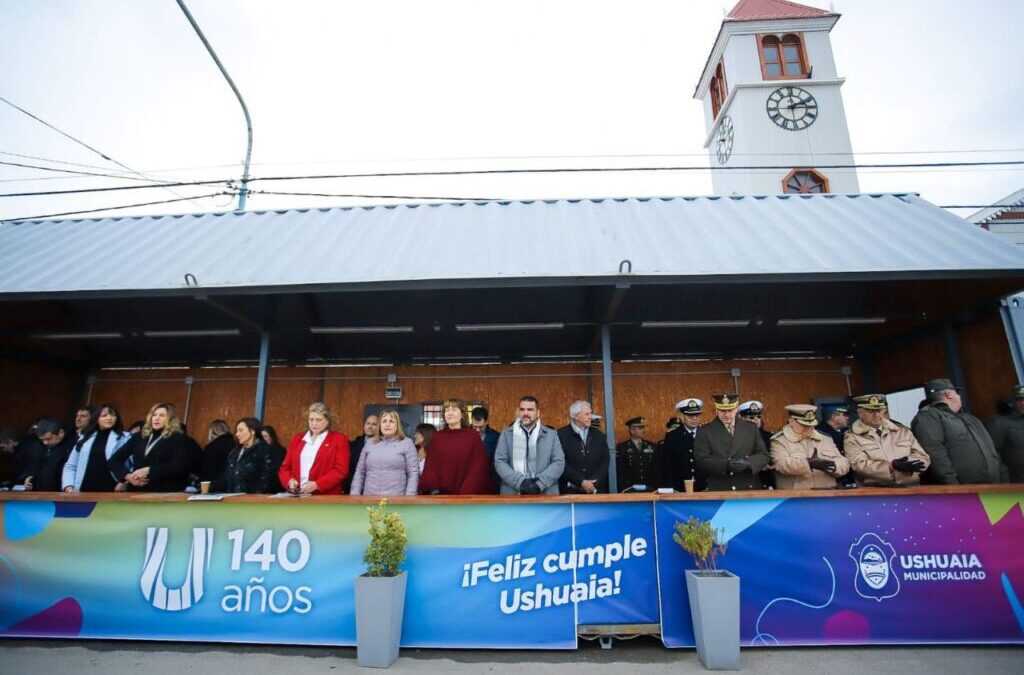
642, 655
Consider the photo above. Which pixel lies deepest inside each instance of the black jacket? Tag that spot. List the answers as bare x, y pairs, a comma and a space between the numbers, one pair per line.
959, 446
253, 472
677, 461
635, 466
583, 462
215, 457
169, 461
47, 477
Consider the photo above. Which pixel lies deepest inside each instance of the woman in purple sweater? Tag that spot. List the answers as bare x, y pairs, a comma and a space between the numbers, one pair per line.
389, 465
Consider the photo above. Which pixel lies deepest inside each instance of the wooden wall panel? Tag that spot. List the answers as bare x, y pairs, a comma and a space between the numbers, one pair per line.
911, 365
648, 389
987, 363
135, 391
30, 391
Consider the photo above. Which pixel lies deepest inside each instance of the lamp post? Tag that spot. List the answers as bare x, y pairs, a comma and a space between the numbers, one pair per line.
245, 110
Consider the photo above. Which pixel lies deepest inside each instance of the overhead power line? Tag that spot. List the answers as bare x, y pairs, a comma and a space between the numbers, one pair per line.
552, 170
116, 208
354, 196
84, 145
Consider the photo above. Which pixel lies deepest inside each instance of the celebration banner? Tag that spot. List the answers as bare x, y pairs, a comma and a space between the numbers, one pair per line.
633, 563
899, 569
480, 575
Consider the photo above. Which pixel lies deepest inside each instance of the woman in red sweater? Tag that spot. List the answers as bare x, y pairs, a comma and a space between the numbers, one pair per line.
317, 460
457, 460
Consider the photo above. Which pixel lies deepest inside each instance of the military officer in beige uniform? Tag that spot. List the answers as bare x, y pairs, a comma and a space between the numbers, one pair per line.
804, 457
730, 452
882, 452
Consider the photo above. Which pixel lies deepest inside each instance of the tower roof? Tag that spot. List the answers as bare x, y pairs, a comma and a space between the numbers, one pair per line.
766, 10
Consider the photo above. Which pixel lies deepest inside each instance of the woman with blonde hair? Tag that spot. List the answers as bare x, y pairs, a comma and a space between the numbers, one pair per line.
316, 462
388, 464
458, 460
161, 455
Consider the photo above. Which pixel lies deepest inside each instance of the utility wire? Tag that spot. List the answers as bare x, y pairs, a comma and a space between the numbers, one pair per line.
487, 172
84, 144
115, 208
80, 173
353, 196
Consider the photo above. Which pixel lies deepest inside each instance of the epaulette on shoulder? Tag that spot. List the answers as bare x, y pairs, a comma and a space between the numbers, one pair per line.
777, 434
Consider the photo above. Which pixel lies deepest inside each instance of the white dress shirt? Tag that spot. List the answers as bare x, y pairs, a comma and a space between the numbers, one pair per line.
308, 455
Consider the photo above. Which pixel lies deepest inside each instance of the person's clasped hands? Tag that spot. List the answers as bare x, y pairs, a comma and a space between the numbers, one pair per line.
739, 464
907, 465
529, 486
826, 465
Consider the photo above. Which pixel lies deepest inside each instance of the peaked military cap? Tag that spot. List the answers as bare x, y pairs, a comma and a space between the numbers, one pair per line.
673, 423
690, 406
636, 422
751, 409
871, 401
726, 401
1018, 391
834, 409
941, 384
804, 413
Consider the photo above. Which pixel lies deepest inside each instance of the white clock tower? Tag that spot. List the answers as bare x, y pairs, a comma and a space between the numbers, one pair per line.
771, 98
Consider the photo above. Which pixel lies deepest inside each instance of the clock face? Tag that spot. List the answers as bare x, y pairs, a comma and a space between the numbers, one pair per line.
723, 140
792, 108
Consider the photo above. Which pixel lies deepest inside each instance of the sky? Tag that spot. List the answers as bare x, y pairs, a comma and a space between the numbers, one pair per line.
395, 86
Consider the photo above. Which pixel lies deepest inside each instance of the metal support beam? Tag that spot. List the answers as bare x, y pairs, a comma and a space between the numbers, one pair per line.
261, 376
609, 405
1011, 308
956, 369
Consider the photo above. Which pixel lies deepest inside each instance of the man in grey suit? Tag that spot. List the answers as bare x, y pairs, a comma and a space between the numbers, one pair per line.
730, 452
529, 457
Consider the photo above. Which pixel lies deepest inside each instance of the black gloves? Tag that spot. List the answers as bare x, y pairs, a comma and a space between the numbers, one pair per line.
529, 486
739, 464
826, 465
907, 465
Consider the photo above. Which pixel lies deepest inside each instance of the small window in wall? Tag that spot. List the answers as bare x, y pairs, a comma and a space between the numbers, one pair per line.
782, 58
433, 413
803, 182
719, 90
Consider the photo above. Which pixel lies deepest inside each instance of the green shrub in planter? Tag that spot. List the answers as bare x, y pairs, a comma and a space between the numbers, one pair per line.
386, 549
701, 541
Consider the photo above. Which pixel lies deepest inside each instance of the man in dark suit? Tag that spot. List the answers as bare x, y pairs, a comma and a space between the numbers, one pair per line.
586, 453
371, 430
677, 461
730, 452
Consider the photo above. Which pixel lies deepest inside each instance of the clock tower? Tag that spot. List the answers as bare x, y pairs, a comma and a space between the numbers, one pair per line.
771, 98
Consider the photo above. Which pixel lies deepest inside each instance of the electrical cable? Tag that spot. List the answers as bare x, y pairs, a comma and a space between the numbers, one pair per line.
82, 143
354, 196
486, 172
113, 208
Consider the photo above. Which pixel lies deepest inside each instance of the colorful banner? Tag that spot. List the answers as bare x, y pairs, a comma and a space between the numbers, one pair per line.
901, 569
631, 559
480, 575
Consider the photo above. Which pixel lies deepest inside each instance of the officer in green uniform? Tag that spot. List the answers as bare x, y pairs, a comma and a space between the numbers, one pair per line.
730, 452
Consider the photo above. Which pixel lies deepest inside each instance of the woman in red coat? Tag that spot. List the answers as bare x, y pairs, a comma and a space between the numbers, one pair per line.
317, 460
457, 460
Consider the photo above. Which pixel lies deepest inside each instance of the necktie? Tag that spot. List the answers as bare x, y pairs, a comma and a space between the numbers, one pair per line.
879, 432
730, 429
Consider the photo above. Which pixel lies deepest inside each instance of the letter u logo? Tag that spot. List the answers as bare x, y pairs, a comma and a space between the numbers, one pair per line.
152, 580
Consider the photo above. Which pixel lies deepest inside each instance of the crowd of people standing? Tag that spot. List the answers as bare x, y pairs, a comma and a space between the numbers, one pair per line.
816, 449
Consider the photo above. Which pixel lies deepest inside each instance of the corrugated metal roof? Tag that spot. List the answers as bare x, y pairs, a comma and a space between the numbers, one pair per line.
463, 244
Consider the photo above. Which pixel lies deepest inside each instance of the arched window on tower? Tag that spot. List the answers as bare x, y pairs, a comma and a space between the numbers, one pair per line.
804, 182
782, 58
719, 90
